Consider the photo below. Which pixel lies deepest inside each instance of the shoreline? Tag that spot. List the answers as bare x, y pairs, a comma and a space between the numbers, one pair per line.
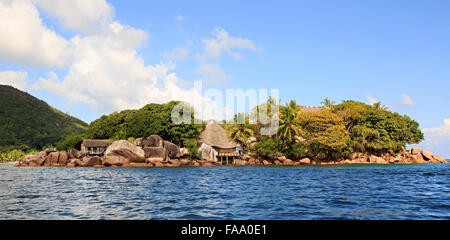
122, 153
185, 162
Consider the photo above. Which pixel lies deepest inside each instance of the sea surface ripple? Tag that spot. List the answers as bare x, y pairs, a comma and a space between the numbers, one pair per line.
227, 192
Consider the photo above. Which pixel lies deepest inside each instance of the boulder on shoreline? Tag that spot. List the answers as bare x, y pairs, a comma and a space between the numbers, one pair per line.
125, 150
155, 152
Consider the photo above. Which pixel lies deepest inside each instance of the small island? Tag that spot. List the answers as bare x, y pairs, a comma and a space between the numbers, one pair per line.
347, 133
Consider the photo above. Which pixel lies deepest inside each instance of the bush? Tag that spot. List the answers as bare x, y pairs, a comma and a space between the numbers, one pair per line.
192, 147
150, 119
268, 147
14, 155
325, 133
376, 130
73, 141
296, 151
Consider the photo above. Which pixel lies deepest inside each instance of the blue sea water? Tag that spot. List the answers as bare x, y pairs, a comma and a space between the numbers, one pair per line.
226, 192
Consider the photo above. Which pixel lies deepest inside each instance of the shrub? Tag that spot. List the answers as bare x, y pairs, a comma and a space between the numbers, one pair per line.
192, 147
268, 147
296, 151
73, 141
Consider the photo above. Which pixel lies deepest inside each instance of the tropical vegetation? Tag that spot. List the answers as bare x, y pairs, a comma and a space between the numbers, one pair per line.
28, 123
331, 131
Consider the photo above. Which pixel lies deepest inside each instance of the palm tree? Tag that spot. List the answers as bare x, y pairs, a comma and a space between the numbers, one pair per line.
380, 106
240, 132
262, 114
327, 103
289, 127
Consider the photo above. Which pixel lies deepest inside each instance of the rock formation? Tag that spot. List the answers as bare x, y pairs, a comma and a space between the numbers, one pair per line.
155, 152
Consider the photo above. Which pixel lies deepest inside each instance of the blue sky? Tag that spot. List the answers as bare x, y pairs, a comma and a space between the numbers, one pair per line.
396, 52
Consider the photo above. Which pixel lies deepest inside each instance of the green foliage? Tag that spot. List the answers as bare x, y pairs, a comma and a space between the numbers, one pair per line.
289, 127
192, 147
297, 150
268, 147
327, 103
131, 139
150, 119
14, 155
70, 142
374, 129
29, 123
324, 133
240, 131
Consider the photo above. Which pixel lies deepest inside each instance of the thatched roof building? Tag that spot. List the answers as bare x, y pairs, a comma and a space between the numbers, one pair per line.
94, 146
217, 137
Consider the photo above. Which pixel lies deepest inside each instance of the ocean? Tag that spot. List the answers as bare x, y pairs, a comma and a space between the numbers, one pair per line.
419, 191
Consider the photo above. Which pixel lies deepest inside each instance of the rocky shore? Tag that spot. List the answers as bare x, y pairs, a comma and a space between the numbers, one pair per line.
156, 152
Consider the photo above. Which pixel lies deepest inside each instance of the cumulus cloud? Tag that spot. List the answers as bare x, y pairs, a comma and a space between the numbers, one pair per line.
180, 18
15, 79
440, 131
108, 75
212, 73
437, 139
176, 54
371, 100
104, 69
25, 40
223, 42
407, 101
79, 15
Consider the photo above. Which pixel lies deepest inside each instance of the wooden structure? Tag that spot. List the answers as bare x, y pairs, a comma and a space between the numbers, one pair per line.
217, 137
94, 146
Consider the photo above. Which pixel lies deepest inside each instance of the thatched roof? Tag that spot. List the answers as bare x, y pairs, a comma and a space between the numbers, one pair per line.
95, 142
215, 136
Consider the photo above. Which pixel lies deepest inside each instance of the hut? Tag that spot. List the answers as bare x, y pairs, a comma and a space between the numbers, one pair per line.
217, 138
94, 146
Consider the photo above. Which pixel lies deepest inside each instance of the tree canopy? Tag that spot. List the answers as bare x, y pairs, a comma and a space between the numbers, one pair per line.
150, 119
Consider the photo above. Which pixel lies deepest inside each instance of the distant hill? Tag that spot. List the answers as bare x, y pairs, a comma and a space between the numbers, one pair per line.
29, 123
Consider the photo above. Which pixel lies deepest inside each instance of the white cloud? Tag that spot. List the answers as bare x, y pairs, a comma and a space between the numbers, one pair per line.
371, 100
180, 18
440, 131
212, 73
176, 54
437, 139
222, 42
79, 15
407, 101
105, 71
25, 40
15, 79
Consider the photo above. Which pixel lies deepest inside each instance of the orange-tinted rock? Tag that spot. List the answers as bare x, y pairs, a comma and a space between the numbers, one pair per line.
63, 158
239, 162
52, 159
288, 162
305, 161
416, 151
91, 161
427, 155
139, 165
185, 162
158, 164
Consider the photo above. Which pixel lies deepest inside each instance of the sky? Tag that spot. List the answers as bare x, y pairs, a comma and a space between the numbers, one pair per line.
90, 58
